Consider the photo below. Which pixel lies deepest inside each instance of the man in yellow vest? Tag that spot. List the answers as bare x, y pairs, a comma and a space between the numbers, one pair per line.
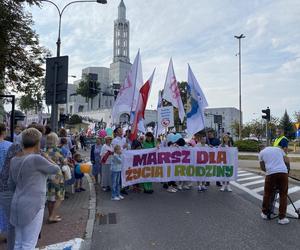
281, 140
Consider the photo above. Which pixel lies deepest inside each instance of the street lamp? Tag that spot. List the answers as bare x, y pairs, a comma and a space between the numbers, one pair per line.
58, 43
240, 84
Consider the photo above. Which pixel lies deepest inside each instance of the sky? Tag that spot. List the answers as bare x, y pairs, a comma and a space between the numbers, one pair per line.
198, 32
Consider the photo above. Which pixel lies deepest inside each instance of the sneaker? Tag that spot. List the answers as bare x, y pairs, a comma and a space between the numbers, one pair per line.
229, 188
82, 189
204, 188
283, 221
104, 189
121, 197
179, 187
263, 216
186, 187
200, 189
171, 190
77, 190
222, 188
115, 199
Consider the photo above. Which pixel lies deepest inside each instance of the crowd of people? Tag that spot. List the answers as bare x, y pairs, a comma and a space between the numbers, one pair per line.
38, 167
105, 156
35, 172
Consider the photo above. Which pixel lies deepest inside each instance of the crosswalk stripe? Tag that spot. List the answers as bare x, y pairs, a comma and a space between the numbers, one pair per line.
259, 189
291, 208
245, 174
242, 171
250, 178
253, 182
294, 189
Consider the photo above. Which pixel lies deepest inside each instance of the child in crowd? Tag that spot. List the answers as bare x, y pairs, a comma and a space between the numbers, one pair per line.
116, 168
225, 143
78, 174
201, 142
65, 148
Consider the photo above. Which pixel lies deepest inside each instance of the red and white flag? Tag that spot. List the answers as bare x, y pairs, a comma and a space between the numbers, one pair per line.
172, 92
141, 106
128, 95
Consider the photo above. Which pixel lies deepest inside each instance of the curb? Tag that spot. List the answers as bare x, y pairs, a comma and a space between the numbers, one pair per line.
87, 243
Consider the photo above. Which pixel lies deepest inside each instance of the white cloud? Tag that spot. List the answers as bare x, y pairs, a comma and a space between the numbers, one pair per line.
197, 32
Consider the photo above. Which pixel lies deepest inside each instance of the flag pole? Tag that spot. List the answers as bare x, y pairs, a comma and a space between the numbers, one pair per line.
134, 91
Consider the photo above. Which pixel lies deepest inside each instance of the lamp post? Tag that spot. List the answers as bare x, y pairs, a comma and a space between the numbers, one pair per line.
240, 85
54, 108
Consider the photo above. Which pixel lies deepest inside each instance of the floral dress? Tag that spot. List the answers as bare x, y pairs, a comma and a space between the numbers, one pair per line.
56, 183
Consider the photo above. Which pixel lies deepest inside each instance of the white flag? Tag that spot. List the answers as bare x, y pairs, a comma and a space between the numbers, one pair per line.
196, 102
128, 95
172, 92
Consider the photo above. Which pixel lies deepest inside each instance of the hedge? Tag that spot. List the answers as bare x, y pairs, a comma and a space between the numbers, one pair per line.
247, 145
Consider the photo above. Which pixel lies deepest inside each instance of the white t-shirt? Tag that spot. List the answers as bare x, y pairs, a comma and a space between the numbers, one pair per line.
273, 159
121, 141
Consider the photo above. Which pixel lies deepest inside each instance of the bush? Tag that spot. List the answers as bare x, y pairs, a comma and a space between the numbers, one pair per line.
247, 145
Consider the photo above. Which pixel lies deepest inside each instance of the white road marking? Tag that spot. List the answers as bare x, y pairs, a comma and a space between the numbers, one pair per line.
250, 178
297, 205
294, 189
242, 171
245, 174
259, 189
253, 182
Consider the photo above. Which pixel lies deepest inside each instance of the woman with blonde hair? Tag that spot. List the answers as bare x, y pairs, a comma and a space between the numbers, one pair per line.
56, 187
27, 179
225, 143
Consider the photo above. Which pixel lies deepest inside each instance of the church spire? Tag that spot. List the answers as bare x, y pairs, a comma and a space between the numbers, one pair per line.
122, 10
121, 35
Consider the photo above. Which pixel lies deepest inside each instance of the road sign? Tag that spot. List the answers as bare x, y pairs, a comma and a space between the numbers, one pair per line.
61, 75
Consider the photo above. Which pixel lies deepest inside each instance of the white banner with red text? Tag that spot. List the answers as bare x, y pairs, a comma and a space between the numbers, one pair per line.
179, 164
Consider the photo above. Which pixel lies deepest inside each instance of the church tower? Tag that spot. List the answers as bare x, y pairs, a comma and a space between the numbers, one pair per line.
121, 35
121, 62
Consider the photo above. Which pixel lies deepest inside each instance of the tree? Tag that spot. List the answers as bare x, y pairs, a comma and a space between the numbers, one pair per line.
75, 119
21, 55
287, 126
33, 99
84, 88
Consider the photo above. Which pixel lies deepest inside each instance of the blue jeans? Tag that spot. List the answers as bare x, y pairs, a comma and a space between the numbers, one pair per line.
115, 180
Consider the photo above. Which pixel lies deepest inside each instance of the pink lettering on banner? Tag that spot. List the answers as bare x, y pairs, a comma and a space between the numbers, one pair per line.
176, 156
164, 157
186, 154
151, 159
139, 160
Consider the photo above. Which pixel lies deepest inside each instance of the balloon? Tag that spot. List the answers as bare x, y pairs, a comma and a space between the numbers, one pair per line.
109, 131
176, 137
102, 133
85, 168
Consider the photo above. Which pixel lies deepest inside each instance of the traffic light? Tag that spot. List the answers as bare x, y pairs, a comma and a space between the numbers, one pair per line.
267, 114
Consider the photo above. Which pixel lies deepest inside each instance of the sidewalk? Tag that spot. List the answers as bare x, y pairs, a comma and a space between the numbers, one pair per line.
74, 212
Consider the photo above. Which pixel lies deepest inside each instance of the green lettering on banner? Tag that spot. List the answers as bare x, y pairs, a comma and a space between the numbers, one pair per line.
221, 171
209, 170
200, 171
179, 170
215, 170
190, 171
229, 171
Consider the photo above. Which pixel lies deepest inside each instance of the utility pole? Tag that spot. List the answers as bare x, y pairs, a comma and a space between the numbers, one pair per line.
240, 84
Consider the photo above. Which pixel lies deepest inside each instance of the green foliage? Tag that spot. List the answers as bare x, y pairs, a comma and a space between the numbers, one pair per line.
287, 126
247, 145
21, 55
33, 99
75, 119
84, 88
